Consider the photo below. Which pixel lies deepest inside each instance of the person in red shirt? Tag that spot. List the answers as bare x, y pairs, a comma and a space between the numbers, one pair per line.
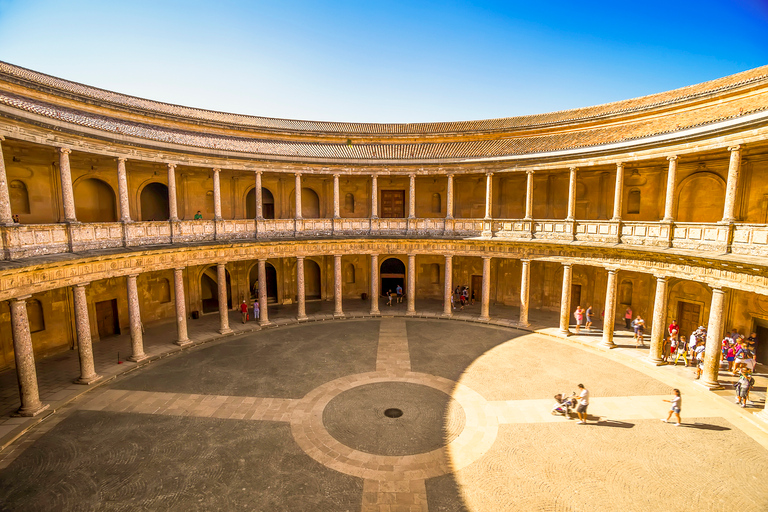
244, 311
674, 327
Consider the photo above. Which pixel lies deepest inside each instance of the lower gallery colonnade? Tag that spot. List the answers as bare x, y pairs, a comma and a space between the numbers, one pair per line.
117, 212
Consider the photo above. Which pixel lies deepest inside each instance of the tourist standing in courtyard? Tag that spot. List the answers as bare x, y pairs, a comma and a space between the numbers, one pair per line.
639, 326
589, 314
579, 316
581, 409
628, 318
256, 310
244, 311
677, 405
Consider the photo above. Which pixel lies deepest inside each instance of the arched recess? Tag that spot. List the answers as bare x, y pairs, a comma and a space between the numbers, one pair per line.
209, 290
267, 204
625, 292
310, 203
349, 273
95, 201
19, 196
162, 293
349, 203
253, 282
633, 201
312, 281
391, 273
437, 203
154, 202
35, 316
700, 198
434, 273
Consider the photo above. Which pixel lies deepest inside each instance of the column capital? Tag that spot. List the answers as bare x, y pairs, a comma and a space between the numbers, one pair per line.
619, 165
525, 260
258, 172
338, 255
2, 138
122, 159
221, 263
529, 171
572, 168
82, 285
300, 257
489, 173
718, 289
567, 264
487, 257
133, 275
179, 268
612, 270
65, 151
661, 278
672, 158
171, 166
737, 147
297, 174
262, 259
336, 175
217, 169
22, 298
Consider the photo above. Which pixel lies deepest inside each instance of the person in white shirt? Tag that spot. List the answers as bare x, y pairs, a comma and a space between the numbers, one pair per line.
677, 404
581, 409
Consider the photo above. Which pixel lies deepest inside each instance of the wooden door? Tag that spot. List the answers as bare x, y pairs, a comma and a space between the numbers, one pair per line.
688, 317
393, 204
106, 318
476, 287
575, 296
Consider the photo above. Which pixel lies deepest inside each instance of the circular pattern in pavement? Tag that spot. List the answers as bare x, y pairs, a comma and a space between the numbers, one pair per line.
428, 418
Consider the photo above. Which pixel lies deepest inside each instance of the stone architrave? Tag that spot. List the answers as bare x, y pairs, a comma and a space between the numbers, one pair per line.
374, 196
217, 194
709, 376
411, 309
618, 192
182, 337
338, 312
486, 292
610, 308
263, 308
565, 299
25, 359
67, 194
297, 195
449, 198
658, 328
529, 195
259, 197
300, 297
572, 195
84, 342
669, 194
6, 216
221, 277
173, 208
732, 184
448, 285
134, 319
122, 191
336, 201
525, 287
375, 284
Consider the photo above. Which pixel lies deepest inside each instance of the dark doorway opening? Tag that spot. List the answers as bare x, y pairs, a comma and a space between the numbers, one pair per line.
392, 273
575, 296
154, 202
253, 279
267, 204
476, 287
107, 321
761, 350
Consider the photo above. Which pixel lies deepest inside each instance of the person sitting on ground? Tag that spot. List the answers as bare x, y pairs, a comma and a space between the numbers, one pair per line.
198, 216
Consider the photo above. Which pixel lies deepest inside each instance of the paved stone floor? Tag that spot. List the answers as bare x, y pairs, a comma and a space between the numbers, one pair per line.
294, 419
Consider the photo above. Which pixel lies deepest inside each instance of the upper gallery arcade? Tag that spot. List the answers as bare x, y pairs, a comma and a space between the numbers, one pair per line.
658, 203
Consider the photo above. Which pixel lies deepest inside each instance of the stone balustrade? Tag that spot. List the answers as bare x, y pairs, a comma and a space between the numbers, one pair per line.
24, 241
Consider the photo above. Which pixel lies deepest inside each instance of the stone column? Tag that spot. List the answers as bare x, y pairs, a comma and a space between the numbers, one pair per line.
449, 198
221, 277
259, 199
488, 194
297, 195
337, 290
525, 287
302, 314
448, 285
263, 312
411, 310
565, 299
134, 319
610, 308
182, 338
572, 195
173, 208
486, 298
618, 193
374, 284
67, 195
84, 341
732, 185
412, 196
217, 194
122, 191
336, 202
25, 359
6, 216
529, 195
658, 328
374, 197
714, 333
669, 199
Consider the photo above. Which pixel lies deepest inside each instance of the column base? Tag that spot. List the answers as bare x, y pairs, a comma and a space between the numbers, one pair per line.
565, 332
485, 318
657, 362
710, 385
265, 324
338, 315
31, 412
183, 343
523, 324
447, 315
226, 331
88, 380
302, 317
410, 313
375, 313
137, 359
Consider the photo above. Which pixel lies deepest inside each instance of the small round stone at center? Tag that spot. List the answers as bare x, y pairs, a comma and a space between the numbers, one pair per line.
393, 413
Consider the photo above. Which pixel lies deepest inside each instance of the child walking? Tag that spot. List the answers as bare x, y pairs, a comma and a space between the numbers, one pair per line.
677, 403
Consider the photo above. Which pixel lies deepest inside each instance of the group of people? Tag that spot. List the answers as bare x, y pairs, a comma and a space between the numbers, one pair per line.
244, 310
396, 296
578, 400
580, 315
463, 296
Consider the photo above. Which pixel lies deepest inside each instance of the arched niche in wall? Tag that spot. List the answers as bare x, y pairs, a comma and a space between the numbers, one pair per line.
154, 202
19, 197
310, 203
633, 201
434, 273
349, 203
437, 203
625, 292
161, 292
94, 201
312, 280
349, 273
267, 204
701, 198
209, 290
35, 316
209, 202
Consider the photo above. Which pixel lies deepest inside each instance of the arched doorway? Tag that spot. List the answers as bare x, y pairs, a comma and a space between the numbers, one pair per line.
95, 201
312, 282
701, 198
267, 204
209, 290
253, 279
392, 273
154, 202
310, 203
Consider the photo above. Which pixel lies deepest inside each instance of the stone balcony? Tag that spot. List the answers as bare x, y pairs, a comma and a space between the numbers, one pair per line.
24, 241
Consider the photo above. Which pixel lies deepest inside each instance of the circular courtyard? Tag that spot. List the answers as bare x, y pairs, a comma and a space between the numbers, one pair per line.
388, 414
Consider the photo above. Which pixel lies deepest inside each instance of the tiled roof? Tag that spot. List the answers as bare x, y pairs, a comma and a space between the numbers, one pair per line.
60, 86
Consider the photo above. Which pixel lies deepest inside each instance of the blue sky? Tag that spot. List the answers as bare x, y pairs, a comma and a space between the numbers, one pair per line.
390, 61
